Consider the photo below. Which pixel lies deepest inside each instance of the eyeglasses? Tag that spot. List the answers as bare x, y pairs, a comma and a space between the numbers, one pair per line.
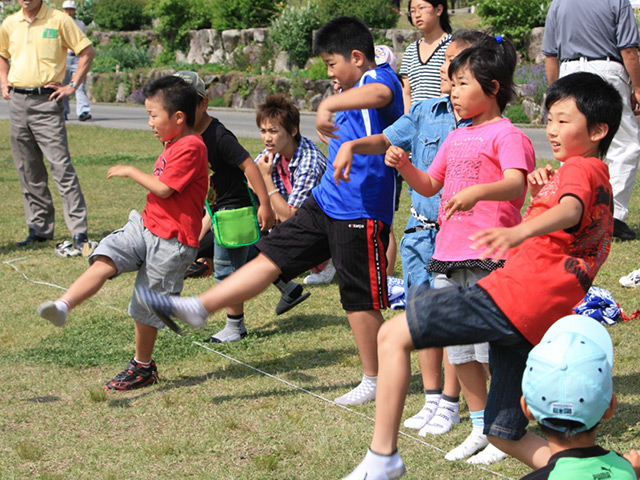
420, 9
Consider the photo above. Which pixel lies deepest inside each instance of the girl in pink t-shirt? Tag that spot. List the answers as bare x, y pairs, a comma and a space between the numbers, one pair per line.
481, 170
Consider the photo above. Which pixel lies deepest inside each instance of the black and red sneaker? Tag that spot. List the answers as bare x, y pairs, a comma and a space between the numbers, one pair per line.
134, 376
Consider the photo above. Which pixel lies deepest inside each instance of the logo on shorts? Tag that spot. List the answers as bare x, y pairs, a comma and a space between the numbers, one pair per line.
355, 225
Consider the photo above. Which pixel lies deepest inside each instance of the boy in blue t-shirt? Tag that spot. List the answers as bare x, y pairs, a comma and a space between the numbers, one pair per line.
347, 221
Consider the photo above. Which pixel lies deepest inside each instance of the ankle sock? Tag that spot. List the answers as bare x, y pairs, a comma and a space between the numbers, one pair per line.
445, 417
56, 312
233, 331
190, 310
489, 455
475, 442
142, 364
376, 466
420, 419
477, 419
363, 393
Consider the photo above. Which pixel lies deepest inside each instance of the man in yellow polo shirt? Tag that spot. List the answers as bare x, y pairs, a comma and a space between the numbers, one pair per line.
36, 39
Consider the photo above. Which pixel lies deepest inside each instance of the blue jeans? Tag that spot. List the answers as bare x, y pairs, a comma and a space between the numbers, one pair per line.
228, 260
82, 101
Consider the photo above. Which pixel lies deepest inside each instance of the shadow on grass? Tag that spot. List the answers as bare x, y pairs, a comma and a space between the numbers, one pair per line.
293, 322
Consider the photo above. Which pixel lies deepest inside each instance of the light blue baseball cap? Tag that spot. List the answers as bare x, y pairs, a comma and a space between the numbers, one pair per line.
568, 374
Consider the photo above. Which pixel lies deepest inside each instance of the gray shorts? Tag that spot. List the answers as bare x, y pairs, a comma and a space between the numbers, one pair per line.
160, 263
464, 277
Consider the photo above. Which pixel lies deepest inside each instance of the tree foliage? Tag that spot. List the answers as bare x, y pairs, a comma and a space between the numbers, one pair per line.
120, 15
513, 18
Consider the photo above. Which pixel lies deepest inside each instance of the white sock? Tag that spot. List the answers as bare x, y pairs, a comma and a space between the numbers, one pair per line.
446, 417
421, 418
378, 467
489, 455
56, 312
189, 309
233, 331
473, 443
363, 393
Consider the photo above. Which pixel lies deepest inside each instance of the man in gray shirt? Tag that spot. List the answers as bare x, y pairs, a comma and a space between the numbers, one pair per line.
601, 37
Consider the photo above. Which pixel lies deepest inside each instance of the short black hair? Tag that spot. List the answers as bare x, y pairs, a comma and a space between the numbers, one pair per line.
469, 37
565, 429
176, 96
342, 35
596, 99
445, 24
490, 59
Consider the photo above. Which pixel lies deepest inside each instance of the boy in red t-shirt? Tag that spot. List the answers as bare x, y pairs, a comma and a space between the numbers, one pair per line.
162, 242
554, 255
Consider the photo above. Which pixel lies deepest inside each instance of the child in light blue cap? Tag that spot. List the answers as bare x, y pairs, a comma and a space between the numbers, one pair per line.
567, 387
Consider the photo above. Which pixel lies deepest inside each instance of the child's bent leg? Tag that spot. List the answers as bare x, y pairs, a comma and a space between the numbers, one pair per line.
85, 286
246, 283
365, 326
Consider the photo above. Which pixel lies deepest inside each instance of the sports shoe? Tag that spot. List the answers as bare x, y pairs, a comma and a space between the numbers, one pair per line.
322, 278
84, 117
378, 467
88, 248
198, 269
66, 250
134, 377
621, 231
363, 393
632, 280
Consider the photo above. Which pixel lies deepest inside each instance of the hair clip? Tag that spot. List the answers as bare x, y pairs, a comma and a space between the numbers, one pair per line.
499, 39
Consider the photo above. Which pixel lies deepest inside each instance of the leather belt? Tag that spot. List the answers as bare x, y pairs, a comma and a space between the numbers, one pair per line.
33, 91
593, 59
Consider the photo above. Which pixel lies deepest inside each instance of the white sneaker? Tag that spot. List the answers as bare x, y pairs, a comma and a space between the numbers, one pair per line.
378, 467
363, 393
473, 443
489, 455
632, 280
322, 278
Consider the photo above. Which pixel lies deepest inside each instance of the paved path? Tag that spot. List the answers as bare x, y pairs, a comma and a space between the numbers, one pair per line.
241, 122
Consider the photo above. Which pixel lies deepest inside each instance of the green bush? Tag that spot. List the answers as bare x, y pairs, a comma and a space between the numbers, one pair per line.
105, 88
375, 13
317, 69
119, 55
176, 17
293, 29
240, 14
513, 18
120, 15
516, 114
85, 11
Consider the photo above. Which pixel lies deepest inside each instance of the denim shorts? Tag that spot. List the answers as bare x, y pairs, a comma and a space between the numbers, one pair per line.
228, 260
457, 315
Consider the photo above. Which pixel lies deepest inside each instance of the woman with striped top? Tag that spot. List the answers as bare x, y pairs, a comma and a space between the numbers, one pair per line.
420, 70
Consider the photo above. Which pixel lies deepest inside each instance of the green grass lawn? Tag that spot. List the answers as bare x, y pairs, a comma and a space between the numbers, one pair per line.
212, 416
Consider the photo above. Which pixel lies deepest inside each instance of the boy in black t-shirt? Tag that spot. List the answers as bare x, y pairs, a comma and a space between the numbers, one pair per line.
231, 166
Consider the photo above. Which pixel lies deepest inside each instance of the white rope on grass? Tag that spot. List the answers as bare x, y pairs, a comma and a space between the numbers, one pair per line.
262, 372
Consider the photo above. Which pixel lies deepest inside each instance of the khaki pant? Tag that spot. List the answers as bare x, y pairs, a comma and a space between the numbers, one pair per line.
37, 129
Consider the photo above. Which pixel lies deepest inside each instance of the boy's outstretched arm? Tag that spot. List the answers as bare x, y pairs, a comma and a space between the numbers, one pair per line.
150, 182
497, 241
371, 95
371, 145
266, 218
509, 188
420, 181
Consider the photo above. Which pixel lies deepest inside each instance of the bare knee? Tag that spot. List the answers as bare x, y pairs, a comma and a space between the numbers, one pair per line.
394, 334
